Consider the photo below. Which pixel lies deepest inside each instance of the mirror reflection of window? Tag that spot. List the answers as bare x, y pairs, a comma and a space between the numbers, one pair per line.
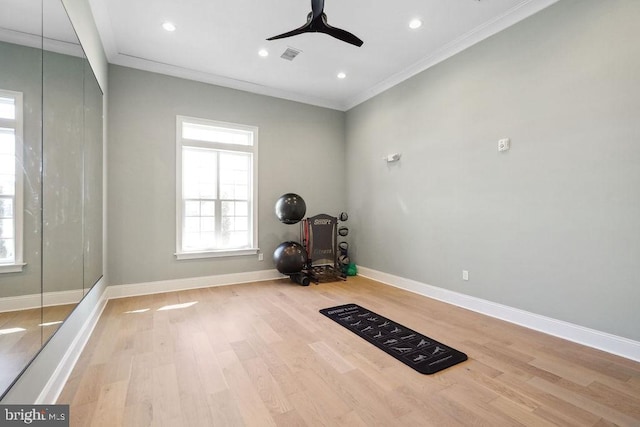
10, 181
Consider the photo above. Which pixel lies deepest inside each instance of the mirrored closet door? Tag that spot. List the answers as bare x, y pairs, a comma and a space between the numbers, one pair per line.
50, 178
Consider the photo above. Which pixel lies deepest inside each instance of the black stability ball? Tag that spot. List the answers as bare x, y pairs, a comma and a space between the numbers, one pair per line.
290, 208
290, 257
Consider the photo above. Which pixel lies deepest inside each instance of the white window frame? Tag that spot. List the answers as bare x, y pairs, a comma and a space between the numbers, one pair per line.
18, 202
253, 149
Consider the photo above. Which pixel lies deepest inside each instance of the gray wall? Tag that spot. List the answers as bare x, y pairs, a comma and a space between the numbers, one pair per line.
553, 225
301, 150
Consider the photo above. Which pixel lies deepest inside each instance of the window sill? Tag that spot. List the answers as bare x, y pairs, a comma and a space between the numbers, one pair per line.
11, 268
217, 254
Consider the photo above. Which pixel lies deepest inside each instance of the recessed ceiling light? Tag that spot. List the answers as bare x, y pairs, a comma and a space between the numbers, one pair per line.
263, 52
168, 26
415, 24
342, 75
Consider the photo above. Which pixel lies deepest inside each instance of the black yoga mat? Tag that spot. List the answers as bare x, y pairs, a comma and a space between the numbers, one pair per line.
418, 351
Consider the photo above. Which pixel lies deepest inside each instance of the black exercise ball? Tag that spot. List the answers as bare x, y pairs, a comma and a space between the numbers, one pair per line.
290, 257
290, 208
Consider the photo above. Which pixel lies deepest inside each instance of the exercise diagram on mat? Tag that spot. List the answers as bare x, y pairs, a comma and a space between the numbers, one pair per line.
318, 257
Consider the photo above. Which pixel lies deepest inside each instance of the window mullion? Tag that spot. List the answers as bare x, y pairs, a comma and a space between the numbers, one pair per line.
217, 145
218, 219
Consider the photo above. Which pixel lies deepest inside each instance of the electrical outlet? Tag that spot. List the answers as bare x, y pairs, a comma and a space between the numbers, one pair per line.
260, 256
465, 275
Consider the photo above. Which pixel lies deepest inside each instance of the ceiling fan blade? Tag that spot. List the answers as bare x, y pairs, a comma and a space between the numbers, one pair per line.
304, 29
338, 33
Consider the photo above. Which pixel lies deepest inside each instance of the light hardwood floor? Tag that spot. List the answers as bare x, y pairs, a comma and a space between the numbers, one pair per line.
34, 327
260, 354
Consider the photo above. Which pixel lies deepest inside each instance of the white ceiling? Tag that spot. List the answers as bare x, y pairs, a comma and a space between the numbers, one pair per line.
217, 41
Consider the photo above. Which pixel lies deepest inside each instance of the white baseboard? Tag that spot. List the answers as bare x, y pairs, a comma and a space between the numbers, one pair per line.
62, 298
579, 334
122, 291
51, 391
26, 302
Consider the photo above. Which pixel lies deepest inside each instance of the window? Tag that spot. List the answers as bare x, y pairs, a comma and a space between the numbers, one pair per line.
11, 177
216, 188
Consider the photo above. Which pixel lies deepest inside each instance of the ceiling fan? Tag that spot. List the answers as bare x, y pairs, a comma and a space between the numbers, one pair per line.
317, 23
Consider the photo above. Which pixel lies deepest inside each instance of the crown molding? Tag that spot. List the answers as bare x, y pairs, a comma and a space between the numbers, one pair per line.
214, 79
38, 42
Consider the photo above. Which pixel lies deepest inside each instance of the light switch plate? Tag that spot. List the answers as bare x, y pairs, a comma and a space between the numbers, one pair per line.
504, 144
